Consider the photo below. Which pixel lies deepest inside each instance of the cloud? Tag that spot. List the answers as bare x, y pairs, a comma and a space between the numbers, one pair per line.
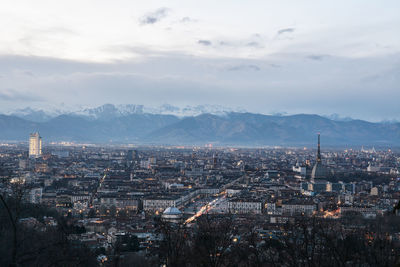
223, 43
245, 68
58, 30
316, 57
172, 77
253, 44
240, 44
274, 65
35, 36
11, 95
154, 17
28, 73
286, 30
204, 42
187, 20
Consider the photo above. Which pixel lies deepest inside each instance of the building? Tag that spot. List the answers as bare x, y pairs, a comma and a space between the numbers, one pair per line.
302, 170
35, 145
298, 207
319, 171
172, 214
131, 155
244, 206
365, 211
159, 204
374, 191
371, 168
35, 195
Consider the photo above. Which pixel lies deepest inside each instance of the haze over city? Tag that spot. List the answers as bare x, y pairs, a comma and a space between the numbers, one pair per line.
265, 57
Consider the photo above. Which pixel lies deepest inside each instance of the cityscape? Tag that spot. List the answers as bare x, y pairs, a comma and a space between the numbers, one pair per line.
123, 204
199, 134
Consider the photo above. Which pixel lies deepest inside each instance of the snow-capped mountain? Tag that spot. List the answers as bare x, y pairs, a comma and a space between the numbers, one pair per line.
35, 115
186, 111
109, 111
337, 117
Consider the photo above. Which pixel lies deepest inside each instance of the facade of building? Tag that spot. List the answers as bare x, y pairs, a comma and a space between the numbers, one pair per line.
35, 195
241, 206
158, 204
35, 145
298, 209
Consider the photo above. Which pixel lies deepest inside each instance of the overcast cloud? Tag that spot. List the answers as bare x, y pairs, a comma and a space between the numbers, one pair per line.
339, 57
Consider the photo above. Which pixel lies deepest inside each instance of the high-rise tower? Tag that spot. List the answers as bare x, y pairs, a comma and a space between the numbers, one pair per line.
319, 148
318, 171
35, 145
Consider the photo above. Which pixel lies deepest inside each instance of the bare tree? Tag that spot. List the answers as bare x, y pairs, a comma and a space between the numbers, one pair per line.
212, 240
34, 245
174, 244
11, 198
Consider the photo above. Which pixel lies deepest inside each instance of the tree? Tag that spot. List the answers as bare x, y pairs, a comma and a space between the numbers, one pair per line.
112, 211
35, 244
12, 206
103, 210
173, 249
212, 240
91, 213
127, 243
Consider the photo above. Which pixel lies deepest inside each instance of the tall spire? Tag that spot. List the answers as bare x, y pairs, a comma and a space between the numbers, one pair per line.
319, 149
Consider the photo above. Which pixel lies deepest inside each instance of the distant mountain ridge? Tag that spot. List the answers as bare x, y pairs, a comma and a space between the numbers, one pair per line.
109, 124
108, 111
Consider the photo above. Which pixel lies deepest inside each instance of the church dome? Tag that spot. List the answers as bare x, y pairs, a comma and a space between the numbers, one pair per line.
171, 214
172, 211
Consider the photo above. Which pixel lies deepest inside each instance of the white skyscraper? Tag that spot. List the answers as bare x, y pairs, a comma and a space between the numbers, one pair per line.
35, 145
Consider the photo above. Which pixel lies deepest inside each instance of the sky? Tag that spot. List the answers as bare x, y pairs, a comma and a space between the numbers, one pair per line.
301, 56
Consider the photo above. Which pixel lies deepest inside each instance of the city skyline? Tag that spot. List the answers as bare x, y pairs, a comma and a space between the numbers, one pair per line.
122, 204
265, 57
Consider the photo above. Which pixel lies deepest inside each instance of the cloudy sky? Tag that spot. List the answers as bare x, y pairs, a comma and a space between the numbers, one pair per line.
290, 57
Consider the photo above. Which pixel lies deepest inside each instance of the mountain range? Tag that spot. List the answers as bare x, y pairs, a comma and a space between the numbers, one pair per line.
133, 124
109, 111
